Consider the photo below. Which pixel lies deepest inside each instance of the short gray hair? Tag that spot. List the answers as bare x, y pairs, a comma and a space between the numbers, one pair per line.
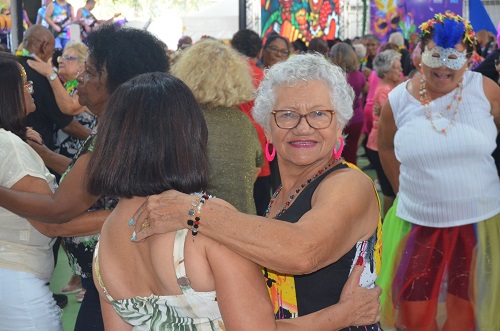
382, 63
299, 68
397, 38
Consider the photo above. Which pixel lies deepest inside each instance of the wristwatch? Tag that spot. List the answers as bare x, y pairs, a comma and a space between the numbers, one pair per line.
53, 76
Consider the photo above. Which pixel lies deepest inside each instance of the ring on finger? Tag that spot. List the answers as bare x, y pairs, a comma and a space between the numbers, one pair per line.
145, 224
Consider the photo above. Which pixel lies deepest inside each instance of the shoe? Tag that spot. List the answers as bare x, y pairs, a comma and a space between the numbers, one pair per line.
72, 287
61, 300
80, 296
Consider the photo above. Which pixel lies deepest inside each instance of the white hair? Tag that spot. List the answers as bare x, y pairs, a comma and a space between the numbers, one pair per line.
382, 63
360, 50
397, 38
300, 68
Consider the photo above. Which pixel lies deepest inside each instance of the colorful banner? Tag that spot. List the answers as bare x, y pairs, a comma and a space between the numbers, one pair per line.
388, 16
301, 19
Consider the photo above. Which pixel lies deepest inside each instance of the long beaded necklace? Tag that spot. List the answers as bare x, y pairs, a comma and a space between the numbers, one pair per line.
424, 100
296, 192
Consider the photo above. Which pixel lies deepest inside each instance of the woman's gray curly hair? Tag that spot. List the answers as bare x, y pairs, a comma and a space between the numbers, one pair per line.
382, 63
300, 68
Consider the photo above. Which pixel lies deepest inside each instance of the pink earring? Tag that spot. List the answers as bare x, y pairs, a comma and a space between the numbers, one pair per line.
270, 156
341, 148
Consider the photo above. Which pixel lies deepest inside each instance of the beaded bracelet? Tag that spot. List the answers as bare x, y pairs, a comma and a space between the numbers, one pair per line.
196, 212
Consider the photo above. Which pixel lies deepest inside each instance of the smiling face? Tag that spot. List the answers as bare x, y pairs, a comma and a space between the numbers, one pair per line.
303, 145
441, 79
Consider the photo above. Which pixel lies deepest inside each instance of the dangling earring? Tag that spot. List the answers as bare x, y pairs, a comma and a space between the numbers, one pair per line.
270, 156
341, 148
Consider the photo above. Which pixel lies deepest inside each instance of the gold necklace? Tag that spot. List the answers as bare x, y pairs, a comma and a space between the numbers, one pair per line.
424, 100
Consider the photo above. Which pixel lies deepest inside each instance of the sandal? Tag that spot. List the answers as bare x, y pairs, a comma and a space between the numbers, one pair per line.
80, 296
72, 286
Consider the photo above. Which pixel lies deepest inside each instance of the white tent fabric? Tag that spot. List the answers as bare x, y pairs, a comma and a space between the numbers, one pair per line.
219, 20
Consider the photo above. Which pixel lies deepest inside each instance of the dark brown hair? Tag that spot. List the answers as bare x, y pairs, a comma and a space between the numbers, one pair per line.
12, 106
152, 138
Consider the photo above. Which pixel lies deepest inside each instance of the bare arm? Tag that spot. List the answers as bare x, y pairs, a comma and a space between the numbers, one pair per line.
67, 104
86, 224
385, 139
357, 306
57, 162
75, 129
492, 92
48, 14
70, 199
320, 237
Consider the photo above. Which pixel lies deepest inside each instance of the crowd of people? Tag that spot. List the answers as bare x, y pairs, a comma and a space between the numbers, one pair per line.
215, 187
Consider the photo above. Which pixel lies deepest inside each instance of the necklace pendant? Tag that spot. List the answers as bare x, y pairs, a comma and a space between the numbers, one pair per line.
443, 131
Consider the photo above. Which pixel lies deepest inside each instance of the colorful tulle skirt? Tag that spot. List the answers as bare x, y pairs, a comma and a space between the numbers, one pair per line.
440, 278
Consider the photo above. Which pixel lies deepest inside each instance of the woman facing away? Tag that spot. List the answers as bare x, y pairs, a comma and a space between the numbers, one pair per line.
325, 216
436, 135
343, 55
220, 80
179, 280
26, 260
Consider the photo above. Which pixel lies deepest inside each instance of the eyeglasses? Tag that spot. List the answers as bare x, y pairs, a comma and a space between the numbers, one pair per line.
29, 87
318, 119
281, 52
67, 58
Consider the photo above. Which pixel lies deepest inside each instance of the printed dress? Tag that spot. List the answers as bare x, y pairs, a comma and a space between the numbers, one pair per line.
191, 310
298, 295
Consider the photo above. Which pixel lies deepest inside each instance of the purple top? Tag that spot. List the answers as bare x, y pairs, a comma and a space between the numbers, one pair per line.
357, 81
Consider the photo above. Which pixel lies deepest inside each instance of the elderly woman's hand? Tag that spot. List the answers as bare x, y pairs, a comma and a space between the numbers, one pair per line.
362, 305
43, 68
161, 213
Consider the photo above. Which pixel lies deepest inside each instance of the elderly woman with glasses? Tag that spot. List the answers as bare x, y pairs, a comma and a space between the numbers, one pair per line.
26, 261
324, 218
71, 64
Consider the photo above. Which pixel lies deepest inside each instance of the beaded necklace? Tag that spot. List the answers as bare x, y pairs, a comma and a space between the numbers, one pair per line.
296, 192
424, 100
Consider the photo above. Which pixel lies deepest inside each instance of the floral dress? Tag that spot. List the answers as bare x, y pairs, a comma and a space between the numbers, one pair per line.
65, 144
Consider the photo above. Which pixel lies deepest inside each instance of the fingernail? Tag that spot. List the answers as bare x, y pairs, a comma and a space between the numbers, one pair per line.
360, 261
133, 236
131, 222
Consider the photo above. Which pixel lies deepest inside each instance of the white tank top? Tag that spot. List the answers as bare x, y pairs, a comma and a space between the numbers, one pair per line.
446, 179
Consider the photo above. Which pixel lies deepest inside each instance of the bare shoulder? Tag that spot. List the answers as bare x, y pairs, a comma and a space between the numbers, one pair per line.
347, 181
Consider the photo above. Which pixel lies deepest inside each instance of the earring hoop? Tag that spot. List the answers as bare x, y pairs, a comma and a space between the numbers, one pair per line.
270, 156
338, 153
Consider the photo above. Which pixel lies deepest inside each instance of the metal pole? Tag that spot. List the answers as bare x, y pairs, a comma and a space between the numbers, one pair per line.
242, 15
16, 11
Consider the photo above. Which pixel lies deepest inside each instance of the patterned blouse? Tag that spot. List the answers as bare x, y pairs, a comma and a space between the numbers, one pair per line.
190, 310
